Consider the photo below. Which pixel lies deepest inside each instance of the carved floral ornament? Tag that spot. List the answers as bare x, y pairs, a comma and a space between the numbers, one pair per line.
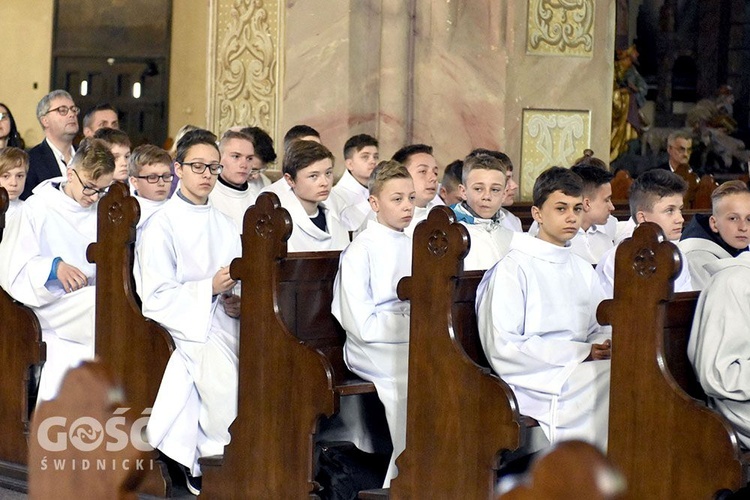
245, 55
561, 27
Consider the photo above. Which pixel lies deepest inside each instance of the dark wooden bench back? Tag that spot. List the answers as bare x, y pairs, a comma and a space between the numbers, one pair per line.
667, 443
621, 186
703, 193
86, 470
21, 346
459, 416
135, 348
464, 316
291, 369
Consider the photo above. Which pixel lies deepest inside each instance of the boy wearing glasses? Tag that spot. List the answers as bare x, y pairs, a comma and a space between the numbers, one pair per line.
239, 183
119, 143
56, 225
58, 116
150, 171
182, 276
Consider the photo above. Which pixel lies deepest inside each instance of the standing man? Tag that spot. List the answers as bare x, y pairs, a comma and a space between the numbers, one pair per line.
58, 116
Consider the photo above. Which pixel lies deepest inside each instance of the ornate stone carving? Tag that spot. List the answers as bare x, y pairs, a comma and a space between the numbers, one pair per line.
561, 27
551, 138
243, 86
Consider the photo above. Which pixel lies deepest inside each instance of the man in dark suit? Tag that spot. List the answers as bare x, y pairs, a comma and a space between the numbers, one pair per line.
58, 115
679, 148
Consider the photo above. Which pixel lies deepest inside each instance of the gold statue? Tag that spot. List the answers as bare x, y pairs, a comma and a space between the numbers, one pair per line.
628, 97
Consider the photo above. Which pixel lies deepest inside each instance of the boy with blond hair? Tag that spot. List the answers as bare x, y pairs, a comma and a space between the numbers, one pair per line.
655, 196
366, 303
536, 313
14, 165
722, 235
483, 191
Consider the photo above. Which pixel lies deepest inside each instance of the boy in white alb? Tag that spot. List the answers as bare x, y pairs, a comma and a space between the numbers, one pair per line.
150, 171
365, 300
507, 218
483, 188
308, 170
655, 196
536, 313
722, 235
182, 276
49, 271
14, 165
233, 193
418, 160
598, 228
349, 197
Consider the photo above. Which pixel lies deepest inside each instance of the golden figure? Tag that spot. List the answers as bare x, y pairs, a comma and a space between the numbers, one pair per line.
628, 96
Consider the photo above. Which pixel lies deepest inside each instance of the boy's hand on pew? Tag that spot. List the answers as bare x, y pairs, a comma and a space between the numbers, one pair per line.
222, 281
71, 277
600, 351
231, 304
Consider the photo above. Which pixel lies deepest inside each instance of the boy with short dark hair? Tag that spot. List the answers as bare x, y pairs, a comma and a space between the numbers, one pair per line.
308, 170
119, 144
421, 164
349, 197
366, 303
655, 196
598, 228
296, 133
536, 312
722, 235
483, 189
449, 190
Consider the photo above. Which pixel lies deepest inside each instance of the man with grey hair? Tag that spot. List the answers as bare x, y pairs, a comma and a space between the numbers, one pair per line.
58, 116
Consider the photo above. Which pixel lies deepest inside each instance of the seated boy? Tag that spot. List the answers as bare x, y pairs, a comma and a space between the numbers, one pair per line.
483, 188
49, 271
449, 190
506, 217
536, 313
296, 133
655, 196
365, 300
182, 276
722, 235
14, 165
598, 228
349, 197
718, 348
119, 144
264, 155
234, 193
150, 170
418, 160
308, 170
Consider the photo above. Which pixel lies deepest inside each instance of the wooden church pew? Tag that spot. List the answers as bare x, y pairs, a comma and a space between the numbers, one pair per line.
621, 187
135, 348
290, 367
667, 443
21, 347
460, 417
78, 456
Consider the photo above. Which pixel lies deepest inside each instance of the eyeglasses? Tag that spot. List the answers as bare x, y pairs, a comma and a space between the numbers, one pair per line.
4, 116
88, 190
257, 171
200, 167
153, 178
64, 110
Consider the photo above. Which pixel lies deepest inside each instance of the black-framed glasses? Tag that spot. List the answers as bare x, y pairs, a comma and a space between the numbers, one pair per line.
88, 190
3, 116
199, 167
64, 110
153, 178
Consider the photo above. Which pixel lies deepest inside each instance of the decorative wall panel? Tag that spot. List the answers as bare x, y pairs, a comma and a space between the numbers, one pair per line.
551, 138
561, 28
245, 63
